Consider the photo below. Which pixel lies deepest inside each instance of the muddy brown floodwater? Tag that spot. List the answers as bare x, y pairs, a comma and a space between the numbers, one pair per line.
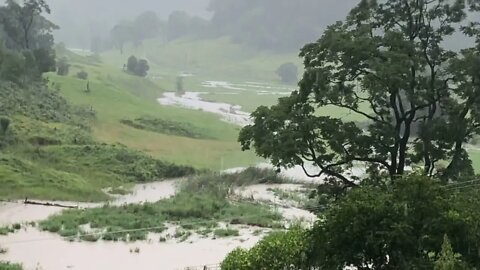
42, 250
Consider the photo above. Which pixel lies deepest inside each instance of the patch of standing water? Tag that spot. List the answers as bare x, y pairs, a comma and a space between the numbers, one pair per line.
191, 100
18, 212
41, 250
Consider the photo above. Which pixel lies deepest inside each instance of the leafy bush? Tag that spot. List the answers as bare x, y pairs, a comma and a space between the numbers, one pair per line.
137, 67
386, 227
83, 75
6, 230
11, 65
277, 251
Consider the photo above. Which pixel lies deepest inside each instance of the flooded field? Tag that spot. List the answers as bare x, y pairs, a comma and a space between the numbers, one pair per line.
191, 100
42, 250
39, 250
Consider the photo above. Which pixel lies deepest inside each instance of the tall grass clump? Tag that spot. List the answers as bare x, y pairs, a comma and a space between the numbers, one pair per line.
10, 266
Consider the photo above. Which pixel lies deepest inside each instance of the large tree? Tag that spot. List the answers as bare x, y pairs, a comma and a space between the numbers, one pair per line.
27, 38
24, 26
416, 101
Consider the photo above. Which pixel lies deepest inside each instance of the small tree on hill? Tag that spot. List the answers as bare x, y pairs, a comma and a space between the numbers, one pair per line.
288, 72
83, 75
142, 68
132, 64
63, 67
137, 67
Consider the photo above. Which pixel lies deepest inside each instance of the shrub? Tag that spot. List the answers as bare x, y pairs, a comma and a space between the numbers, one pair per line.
132, 64
277, 251
63, 67
83, 75
137, 67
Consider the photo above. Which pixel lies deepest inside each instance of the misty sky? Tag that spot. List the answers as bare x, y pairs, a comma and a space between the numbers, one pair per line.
96, 17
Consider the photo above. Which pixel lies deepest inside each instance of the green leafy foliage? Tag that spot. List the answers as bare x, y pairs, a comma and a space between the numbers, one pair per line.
448, 260
27, 32
137, 67
387, 64
40, 103
12, 65
277, 251
397, 227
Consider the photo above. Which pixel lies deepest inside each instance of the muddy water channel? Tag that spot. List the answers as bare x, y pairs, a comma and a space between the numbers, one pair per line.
42, 250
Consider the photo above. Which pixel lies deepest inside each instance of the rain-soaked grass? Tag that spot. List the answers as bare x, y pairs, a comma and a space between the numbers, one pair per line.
202, 203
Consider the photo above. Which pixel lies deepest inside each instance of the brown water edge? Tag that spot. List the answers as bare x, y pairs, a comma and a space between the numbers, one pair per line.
18, 212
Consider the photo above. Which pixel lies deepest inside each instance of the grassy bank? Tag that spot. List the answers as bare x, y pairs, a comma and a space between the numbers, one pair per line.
48, 150
202, 203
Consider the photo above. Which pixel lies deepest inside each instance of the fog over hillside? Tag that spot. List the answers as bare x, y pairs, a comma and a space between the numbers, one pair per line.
81, 19
267, 24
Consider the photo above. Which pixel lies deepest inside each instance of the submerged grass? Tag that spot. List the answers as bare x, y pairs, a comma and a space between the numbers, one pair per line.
201, 203
226, 232
10, 266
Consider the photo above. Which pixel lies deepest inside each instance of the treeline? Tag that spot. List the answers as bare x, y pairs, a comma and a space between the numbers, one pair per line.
148, 25
26, 41
278, 25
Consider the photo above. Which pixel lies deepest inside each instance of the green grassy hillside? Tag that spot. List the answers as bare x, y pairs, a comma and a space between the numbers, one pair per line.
116, 96
47, 150
209, 59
